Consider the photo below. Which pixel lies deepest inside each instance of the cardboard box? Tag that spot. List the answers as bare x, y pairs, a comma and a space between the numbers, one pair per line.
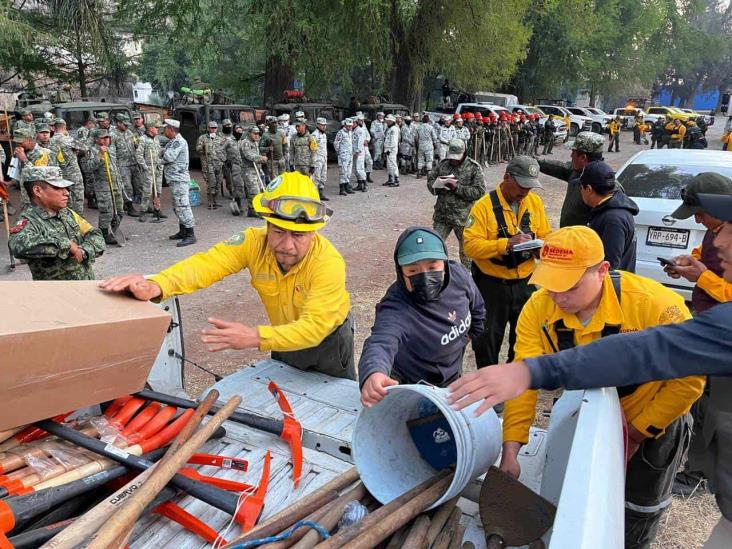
67, 345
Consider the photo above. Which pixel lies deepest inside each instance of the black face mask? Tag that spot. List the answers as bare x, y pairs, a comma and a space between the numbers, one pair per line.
427, 286
226, 130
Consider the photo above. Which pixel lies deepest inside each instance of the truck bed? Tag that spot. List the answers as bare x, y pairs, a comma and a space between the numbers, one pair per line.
327, 409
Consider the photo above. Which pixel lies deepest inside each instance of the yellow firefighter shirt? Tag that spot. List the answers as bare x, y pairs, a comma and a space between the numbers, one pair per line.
480, 238
644, 303
304, 305
716, 286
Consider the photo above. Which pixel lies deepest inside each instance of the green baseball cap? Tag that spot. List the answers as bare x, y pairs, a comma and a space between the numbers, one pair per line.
418, 245
703, 183
525, 170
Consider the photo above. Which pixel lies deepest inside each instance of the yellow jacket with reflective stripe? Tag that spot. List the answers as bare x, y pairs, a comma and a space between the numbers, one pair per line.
304, 305
480, 237
644, 303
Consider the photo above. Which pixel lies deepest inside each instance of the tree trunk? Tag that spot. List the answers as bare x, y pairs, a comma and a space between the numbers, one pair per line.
405, 83
80, 65
278, 77
592, 95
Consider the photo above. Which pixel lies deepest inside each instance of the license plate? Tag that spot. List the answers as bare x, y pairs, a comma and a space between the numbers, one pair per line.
668, 238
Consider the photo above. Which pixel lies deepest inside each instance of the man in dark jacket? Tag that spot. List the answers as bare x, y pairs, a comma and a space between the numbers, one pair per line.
424, 322
586, 148
611, 216
701, 346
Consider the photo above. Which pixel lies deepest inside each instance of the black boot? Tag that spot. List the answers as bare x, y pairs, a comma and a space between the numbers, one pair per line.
130, 210
349, 189
387, 183
395, 183
323, 198
342, 190
188, 239
109, 237
251, 212
359, 187
368, 178
180, 234
365, 187
160, 215
419, 174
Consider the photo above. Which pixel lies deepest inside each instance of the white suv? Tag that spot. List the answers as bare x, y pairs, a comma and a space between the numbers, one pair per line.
599, 118
559, 134
579, 123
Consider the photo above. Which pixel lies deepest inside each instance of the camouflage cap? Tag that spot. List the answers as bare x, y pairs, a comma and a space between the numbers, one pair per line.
255, 129
123, 118
136, 115
321, 120
102, 116
213, 124
24, 112
226, 122
99, 133
59, 122
456, 150
153, 124
50, 174
21, 135
587, 142
40, 128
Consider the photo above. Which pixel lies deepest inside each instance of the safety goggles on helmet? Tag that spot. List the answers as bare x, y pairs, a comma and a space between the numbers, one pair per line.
299, 210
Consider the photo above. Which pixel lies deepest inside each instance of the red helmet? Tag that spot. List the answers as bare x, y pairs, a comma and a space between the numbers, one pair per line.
456, 116
468, 116
492, 116
478, 116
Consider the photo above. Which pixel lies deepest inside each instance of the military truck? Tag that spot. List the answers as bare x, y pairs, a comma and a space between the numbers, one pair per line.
194, 119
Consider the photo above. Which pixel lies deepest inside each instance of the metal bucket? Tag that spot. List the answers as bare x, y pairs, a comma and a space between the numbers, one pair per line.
390, 463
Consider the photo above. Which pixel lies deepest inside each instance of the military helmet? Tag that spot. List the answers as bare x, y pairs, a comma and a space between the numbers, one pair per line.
587, 142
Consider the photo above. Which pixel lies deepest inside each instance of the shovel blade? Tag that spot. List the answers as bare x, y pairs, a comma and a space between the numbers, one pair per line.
513, 511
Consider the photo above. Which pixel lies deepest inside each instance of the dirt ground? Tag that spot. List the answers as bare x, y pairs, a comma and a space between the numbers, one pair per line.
364, 229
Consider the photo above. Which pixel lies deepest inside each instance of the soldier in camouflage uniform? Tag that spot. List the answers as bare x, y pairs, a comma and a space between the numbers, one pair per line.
138, 124
210, 147
368, 160
31, 153
251, 159
343, 146
227, 129
103, 121
272, 145
391, 151
102, 162
151, 168
360, 137
25, 122
378, 134
57, 243
174, 158
406, 144
66, 149
233, 165
303, 149
321, 157
455, 197
586, 147
124, 142
426, 139
83, 136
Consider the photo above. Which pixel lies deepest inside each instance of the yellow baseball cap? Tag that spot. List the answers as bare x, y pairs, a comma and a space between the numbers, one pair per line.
565, 256
291, 201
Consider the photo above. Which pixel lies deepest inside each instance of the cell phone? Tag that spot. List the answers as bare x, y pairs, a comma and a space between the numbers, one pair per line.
666, 262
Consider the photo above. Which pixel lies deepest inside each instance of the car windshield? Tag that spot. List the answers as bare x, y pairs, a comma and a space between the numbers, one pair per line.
662, 180
595, 111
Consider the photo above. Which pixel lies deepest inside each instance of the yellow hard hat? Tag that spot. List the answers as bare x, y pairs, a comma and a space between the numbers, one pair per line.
291, 202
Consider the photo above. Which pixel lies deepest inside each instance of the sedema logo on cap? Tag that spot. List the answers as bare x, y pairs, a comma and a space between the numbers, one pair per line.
558, 254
